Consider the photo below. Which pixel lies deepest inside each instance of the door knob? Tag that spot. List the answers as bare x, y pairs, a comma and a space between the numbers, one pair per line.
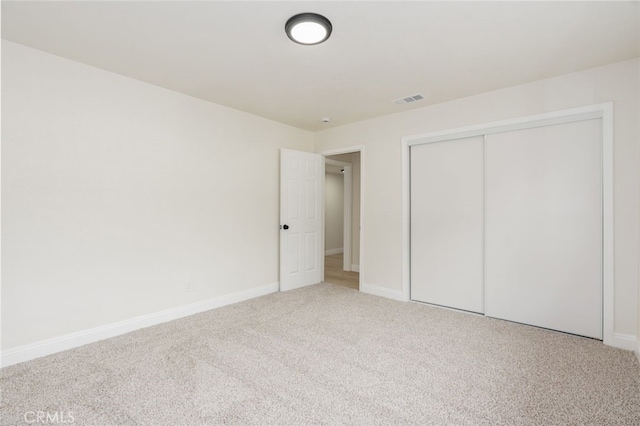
285, 226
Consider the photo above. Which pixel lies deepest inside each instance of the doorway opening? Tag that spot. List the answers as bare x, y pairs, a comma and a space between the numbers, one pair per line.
342, 221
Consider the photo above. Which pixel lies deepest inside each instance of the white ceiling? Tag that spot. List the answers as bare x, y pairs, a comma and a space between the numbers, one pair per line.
237, 54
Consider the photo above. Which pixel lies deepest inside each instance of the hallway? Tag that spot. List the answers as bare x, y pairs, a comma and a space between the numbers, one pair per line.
334, 274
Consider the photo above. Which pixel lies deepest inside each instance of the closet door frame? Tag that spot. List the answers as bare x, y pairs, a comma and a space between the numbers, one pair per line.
602, 111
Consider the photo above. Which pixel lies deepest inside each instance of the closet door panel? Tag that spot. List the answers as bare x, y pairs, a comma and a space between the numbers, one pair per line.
447, 223
544, 227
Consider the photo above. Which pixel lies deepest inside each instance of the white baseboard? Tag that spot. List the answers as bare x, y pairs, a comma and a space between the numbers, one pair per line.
355, 268
624, 341
74, 340
638, 350
333, 251
382, 291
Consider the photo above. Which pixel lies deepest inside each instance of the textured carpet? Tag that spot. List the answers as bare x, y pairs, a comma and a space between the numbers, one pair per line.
331, 355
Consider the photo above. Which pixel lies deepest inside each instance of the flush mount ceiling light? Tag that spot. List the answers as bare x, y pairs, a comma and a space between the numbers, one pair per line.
308, 28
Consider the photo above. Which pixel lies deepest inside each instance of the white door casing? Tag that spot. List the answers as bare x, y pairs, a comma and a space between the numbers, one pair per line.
301, 216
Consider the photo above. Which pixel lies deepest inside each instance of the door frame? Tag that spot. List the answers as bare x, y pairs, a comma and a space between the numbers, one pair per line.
350, 150
602, 111
347, 200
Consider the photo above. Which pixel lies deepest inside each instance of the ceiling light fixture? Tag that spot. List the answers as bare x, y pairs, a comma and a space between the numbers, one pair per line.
308, 28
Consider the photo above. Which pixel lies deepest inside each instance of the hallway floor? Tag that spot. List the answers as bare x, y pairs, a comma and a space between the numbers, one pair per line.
334, 274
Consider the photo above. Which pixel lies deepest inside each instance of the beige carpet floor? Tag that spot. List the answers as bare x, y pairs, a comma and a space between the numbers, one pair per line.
331, 355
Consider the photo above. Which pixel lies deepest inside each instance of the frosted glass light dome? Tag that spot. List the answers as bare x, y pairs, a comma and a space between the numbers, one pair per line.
308, 28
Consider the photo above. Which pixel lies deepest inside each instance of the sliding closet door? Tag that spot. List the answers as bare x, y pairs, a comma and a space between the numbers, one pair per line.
544, 227
447, 223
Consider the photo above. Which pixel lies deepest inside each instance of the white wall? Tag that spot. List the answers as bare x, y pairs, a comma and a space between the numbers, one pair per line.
117, 193
355, 210
334, 212
638, 130
382, 140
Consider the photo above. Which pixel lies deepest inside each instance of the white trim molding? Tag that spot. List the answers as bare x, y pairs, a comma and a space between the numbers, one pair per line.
624, 341
355, 268
603, 111
638, 349
377, 290
80, 338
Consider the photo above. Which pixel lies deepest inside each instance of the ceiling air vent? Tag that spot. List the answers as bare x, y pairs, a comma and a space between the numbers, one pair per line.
409, 99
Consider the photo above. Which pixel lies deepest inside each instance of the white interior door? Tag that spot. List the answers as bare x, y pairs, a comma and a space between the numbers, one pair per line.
447, 221
544, 227
301, 239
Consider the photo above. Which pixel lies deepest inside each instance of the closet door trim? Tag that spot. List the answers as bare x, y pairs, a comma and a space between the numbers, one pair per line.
603, 111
